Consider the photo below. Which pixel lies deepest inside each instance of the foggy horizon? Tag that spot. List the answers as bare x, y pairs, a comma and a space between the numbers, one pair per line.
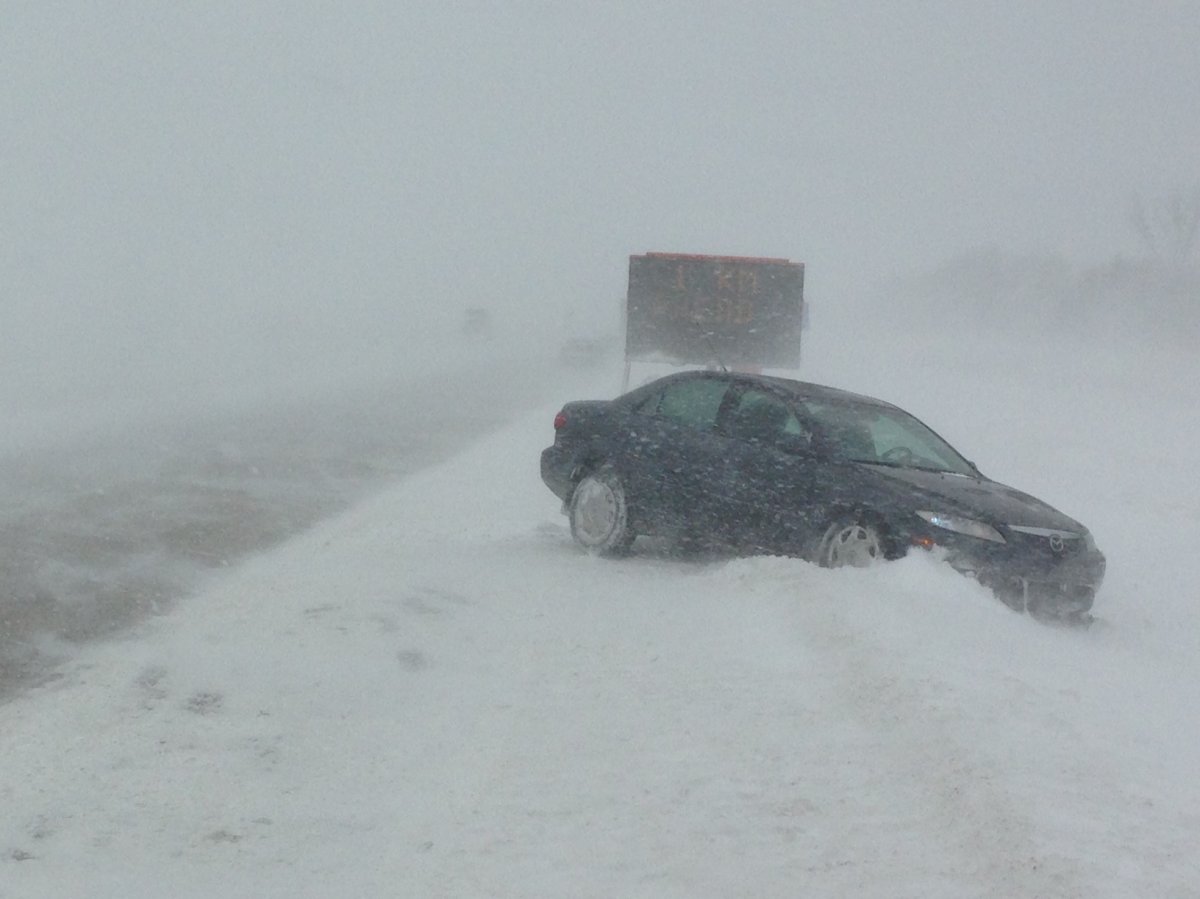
290, 604
214, 198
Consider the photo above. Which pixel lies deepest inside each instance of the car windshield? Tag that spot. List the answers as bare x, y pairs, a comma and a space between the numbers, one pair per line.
882, 435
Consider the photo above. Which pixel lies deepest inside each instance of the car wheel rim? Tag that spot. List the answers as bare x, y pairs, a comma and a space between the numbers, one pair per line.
596, 511
855, 546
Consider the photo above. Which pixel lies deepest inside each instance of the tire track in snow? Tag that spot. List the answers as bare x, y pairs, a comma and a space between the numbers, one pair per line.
665, 791
963, 804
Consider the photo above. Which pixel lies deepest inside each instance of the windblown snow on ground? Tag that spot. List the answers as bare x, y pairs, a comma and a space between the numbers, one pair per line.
436, 694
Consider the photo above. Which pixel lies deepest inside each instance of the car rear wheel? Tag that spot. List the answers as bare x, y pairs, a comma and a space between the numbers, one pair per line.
599, 514
851, 542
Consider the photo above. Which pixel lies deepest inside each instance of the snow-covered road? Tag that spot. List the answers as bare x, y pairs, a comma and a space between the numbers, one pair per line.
103, 526
437, 695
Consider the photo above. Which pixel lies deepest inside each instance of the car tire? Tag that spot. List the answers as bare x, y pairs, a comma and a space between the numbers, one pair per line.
851, 541
599, 513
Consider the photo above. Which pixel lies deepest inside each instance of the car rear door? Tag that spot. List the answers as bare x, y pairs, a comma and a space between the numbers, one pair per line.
679, 452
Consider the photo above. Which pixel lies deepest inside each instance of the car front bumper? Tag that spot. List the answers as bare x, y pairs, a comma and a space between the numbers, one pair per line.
1030, 578
1062, 591
1064, 598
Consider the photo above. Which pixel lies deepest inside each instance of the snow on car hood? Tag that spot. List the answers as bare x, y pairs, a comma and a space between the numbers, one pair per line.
978, 498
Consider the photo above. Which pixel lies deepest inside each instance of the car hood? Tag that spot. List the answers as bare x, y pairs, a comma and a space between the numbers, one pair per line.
976, 497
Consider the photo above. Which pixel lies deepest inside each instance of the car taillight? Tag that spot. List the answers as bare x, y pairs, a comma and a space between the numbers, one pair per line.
560, 420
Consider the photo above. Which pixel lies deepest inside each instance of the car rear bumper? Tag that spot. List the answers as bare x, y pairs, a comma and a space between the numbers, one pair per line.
557, 467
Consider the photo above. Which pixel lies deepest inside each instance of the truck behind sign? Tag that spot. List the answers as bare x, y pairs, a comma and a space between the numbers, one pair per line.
735, 310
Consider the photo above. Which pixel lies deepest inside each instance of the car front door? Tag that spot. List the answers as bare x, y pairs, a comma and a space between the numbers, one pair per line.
769, 475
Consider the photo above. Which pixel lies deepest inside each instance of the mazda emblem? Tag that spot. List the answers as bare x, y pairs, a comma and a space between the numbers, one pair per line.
1056, 543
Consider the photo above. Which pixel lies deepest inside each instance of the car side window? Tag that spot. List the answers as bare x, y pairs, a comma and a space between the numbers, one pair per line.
761, 417
647, 405
693, 403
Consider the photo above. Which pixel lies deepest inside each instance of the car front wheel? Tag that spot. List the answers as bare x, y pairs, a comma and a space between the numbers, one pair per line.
599, 514
851, 542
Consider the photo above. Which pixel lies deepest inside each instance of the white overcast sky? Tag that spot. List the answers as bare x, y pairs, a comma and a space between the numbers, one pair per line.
236, 190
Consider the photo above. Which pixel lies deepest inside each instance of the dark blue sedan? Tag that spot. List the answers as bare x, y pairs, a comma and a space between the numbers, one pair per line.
760, 464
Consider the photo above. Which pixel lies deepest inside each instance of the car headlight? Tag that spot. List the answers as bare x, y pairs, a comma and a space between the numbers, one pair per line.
960, 525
